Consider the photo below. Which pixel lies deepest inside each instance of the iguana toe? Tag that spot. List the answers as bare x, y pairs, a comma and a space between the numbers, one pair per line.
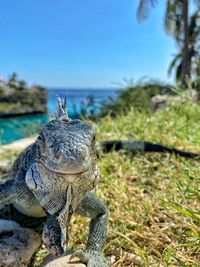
91, 258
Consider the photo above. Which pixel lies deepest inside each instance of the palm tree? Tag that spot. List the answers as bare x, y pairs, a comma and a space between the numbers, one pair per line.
193, 53
13, 77
177, 23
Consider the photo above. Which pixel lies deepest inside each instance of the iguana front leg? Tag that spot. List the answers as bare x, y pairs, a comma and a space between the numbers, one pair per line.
16, 191
92, 207
55, 232
51, 235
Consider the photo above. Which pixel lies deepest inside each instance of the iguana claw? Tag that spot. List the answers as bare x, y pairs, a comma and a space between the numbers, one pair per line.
91, 258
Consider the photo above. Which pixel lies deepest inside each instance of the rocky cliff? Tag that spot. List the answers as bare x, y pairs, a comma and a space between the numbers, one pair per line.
18, 99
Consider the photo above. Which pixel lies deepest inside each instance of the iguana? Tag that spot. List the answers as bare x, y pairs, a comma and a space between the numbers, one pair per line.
54, 177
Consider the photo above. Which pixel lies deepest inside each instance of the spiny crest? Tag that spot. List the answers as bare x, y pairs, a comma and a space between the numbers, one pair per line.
61, 113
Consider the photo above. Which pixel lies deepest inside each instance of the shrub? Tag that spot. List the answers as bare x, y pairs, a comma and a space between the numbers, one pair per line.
137, 97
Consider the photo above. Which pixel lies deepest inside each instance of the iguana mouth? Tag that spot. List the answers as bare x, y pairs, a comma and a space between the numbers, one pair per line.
61, 172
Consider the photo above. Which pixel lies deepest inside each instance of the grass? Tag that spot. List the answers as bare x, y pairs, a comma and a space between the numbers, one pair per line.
153, 199
9, 154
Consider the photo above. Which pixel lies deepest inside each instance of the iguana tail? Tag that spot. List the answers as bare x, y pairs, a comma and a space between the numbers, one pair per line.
143, 146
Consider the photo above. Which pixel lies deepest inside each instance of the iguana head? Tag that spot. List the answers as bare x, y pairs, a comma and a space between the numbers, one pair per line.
67, 147
64, 166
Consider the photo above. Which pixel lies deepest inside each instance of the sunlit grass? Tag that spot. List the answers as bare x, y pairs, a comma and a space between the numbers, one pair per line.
8, 154
153, 199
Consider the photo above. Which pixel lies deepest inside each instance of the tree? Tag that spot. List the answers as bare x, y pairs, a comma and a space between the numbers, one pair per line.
12, 81
193, 53
22, 85
177, 23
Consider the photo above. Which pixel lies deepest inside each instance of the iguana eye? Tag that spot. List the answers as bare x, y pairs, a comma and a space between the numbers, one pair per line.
94, 139
40, 138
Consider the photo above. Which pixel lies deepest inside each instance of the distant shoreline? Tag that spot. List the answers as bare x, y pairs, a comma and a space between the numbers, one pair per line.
17, 100
83, 88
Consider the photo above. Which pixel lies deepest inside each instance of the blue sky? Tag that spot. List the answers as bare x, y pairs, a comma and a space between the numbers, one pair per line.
81, 43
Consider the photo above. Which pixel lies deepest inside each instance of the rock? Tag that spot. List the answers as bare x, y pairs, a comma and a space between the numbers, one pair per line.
160, 101
17, 244
51, 261
8, 225
192, 94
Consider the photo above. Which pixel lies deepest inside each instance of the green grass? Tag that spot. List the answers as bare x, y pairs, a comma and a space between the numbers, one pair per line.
8, 154
153, 199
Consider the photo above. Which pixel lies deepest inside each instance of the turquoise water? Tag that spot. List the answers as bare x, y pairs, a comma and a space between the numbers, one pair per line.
18, 127
77, 99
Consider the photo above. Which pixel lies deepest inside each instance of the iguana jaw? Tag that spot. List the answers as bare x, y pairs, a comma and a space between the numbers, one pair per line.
61, 172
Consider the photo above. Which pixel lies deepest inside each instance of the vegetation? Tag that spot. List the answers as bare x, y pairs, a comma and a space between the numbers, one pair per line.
137, 97
193, 53
185, 29
16, 97
153, 198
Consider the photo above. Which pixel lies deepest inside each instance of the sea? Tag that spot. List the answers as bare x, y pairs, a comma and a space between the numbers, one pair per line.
85, 101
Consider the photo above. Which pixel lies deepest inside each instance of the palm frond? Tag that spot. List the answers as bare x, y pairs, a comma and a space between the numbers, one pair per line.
194, 26
173, 19
174, 63
143, 8
179, 72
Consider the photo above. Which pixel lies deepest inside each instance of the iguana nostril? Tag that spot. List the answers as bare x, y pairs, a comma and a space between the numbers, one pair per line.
59, 154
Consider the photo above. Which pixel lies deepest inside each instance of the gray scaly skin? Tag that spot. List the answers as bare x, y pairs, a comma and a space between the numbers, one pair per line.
54, 177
